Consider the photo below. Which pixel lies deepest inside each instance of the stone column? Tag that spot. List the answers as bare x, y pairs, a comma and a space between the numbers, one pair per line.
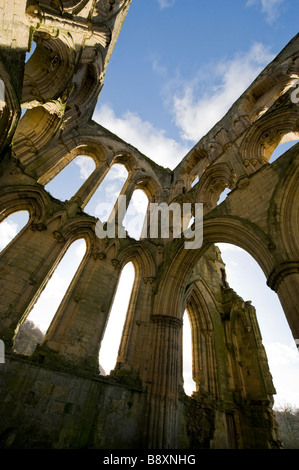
284, 280
74, 336
128, 188
135, 348
86, 191
163, 383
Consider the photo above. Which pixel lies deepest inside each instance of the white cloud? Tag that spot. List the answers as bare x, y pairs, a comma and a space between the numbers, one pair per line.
224, 247
196, 105
281, 354
271, 8
135, 214
166, 3
10, 227
117, 172
197, 110
157, 67
142, 135
284, 366
47, 304
86, 166
8, 230
80, 249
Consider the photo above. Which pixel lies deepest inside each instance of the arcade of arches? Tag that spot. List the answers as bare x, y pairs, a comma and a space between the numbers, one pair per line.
57, 397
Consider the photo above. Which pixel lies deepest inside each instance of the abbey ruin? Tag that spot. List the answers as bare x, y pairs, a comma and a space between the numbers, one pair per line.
57, 398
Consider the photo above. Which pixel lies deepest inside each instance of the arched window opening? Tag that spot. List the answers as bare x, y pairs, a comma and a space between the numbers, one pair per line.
103, 200
47, 304
281, 149
27, 57
135, 215
223, 196
69, 180
11, 226
191, 221
29, 54
277, 337
189, 384
114, 328
195, 181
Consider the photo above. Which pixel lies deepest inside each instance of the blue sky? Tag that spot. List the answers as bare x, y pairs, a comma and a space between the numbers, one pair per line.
179, 65
176, 69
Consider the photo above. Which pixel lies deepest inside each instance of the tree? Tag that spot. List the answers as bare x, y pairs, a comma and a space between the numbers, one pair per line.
27, 338
288, 426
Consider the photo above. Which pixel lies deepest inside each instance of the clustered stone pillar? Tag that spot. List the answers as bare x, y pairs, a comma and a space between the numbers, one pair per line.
162, 383
119, 210
89, 187
284, 280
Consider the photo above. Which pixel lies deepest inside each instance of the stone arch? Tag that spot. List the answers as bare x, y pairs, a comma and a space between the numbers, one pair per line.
284, 204
85, 88
32, 199
77, 228
268, 88
150, 185
203, 344
129, 160
213, 182
227, 229
54, 161
267, 133
35, 130
49, 69
9, 108
145, 178
141, 257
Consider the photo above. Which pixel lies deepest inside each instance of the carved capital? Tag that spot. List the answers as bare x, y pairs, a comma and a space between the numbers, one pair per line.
99, 255
148, 280
39, 227
167, 320
58, 236
280, 272
115, 263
